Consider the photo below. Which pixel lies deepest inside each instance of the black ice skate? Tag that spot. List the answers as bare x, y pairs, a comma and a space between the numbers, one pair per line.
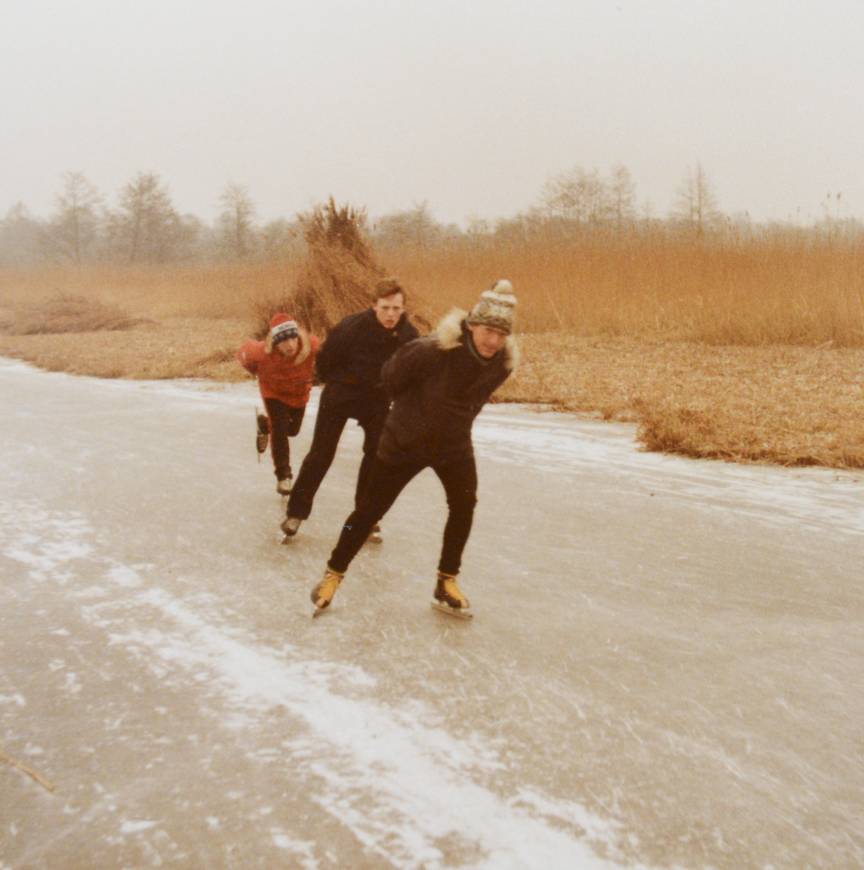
289, 526
448, 597
262, 432
283, 487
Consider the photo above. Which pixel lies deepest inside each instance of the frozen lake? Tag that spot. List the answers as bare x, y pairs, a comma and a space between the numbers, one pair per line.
666, 666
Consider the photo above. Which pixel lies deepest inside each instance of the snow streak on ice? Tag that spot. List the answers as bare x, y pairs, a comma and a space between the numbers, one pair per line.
403, 787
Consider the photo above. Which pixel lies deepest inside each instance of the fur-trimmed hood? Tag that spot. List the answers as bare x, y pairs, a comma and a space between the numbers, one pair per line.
437, 394
449, 334
303, 351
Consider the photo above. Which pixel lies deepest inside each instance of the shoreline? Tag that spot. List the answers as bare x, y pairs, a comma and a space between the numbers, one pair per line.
775, 405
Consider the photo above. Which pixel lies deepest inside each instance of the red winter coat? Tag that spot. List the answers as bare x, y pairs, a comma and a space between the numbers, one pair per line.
288, 379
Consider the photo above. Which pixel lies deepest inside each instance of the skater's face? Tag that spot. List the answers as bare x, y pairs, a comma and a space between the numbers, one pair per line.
389, 309
487, 340
288, 346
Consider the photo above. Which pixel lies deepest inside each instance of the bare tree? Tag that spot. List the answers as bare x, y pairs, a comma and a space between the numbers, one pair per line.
193, 238
414, 228
146, 229
237, 221
622, 197
19, 237
73, 231
280, 238
524, 227
696, 205
477, 227
577, 195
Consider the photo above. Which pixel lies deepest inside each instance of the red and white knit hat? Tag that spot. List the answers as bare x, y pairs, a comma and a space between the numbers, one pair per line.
282, 327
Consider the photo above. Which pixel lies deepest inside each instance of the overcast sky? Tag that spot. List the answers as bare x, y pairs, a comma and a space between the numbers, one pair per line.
469, 106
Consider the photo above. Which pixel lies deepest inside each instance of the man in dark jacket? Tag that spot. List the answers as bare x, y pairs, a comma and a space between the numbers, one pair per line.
438, 385
349, 363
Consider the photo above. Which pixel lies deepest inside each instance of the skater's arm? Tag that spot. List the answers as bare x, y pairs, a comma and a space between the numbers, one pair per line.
409, 365
249, 355
332, 351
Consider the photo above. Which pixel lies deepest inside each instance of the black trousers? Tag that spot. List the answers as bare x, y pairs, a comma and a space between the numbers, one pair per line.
285, 423
385, 484
336, 408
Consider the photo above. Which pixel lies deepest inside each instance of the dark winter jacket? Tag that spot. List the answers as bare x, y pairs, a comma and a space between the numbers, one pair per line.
357, 347
288, 379
438, 385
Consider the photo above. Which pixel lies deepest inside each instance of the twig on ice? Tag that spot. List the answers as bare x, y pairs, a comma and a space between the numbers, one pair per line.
30, 772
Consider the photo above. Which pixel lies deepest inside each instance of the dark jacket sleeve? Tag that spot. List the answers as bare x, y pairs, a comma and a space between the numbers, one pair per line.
410, 364
408, 331
333, 350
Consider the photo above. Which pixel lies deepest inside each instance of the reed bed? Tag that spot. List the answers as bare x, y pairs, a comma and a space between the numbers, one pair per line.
801, 290
210, 291
808, 291
741, 349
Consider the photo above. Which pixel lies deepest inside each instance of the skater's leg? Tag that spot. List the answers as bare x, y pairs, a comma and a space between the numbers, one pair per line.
460, 485
325, 437
295, 420
372, 424
280, 424
385, 484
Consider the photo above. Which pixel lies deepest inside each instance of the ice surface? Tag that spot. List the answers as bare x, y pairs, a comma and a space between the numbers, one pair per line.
660, 647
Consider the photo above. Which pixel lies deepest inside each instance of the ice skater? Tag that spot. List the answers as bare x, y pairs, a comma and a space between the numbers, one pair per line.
438, 385
350, 367
284, 364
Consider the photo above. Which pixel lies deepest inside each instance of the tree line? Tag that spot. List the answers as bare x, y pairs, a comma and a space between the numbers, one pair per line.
144, 227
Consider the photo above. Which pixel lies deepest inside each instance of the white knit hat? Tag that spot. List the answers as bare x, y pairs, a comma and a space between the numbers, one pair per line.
495, 307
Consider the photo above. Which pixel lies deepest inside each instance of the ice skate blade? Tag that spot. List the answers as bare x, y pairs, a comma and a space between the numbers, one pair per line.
288, 531
317, 611
458, 612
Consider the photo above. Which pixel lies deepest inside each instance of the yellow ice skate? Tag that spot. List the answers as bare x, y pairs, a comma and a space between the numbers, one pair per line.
324, 591
448, 597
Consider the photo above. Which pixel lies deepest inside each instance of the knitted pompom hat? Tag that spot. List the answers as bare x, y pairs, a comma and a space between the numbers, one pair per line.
495, 307
281, 327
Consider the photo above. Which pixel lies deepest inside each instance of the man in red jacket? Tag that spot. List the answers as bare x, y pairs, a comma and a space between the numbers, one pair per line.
284, 364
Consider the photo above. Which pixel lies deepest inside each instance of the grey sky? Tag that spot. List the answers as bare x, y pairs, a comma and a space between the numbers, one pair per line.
470, 106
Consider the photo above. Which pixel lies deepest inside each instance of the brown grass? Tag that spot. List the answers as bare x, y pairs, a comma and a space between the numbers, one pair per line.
64, 312
783, 405
180, 347
749, 351
754, 293
202, 291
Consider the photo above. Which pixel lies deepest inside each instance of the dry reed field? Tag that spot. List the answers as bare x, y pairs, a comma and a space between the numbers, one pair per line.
745, 350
